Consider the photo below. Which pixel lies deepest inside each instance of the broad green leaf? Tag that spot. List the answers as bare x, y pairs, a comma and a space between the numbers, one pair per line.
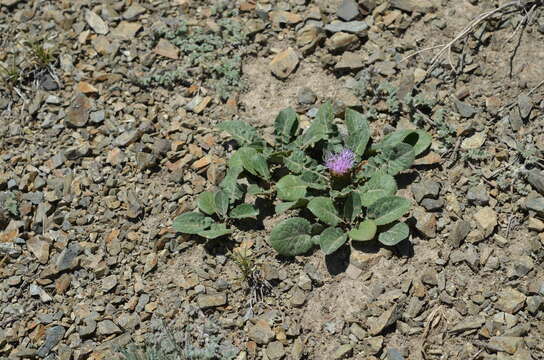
216, 230
394, 235
254, 189
206, 202
221, 200
286, 125
235, 164
230, 185
319, 128
243, 211
292, 237
419, 139
392, 160
324, 210
314, 179
300, 163
284, 206
191, 223
388, 209
358, 131
352, 206
378, 186
364, 232
241, 131
291, 188
332, 239
254, 162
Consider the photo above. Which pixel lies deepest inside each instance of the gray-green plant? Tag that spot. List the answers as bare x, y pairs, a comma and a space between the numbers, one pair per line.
337, 188
11, 74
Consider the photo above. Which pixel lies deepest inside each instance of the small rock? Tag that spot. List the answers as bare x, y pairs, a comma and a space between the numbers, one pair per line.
375, 344
306, 96
68, 257
474, 142
53, 336
534, 303
133, 11
39, 248
521, 266
298, 297
342, 352
35, 290
525, 106
536, 179
128, 137
510, 301
284, 63
347, 10
478, 195
275, 350
166, 49
109, 282
152, 259
458, 233
261, 332
78, 113
535, 204
464, 109
212, 300
425, 222
425, 189
394, 354
350, 61
385, 320
352, 27
107, 327
486, 218
126, 30
508, 344
96, 23
535, 224
145, 160
432, 204
468, 324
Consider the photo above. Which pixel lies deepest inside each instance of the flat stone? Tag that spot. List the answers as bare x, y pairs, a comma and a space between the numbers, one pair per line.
394, 354
350, 61
212, 300
39, 248
536, 204
510, 300
352, 27
36, 290
535, 224
525, 106
375, 344
134, 11
68, 257
107, 327
458, 233
534, 303
151, 259
306, 96
167, 49
342, 351
86, 88
386, 319
126, 30
464, 109
521, 266
146, 160
425, 222
53, 336
478, 195
536, 179
275, 350
78, 113
486, 218
109, 282
96, 23
425, 189
508, 344
422, 6
432, 204
281, 18
468, 324
261, 332
342, 41
284, 63
347, 10
474, 142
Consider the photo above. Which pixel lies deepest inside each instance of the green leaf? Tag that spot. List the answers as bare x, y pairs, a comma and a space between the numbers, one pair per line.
332, 239
358, 131
284, 206
324, 210
221, 200
352, 206
378, 186
292, 237
254, 189
191, 223
392, 160
419, 139
230, 185
243, 211
388, 209
291, 188
206, 202
394, 235
300, 163
216, 230
364, 232
286, 125
320, 126
254, 162
241, 131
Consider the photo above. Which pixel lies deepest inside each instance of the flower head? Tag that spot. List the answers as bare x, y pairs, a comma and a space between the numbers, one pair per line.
340, 163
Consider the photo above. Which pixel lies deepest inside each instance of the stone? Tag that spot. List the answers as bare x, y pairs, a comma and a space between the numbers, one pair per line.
521, 266
298, 297
342, 41
35, 290
508, 344
86, 88
458, 233
145, 160
308, 37
535, 204
486, 218
108, 283
432, 204
347, 10
413, 5
353, 27
275, 350
284, 63
39, 248
474, 142
280, 18
96, 23
133, 11
466, 324
350, 61
53, 336
211, 300
107, 327
375, 344
525, 106
126, 30
261, 332
535, 224
536, 179
510, 301
128, 137
151, 259
534, 303
478, 195
394, 354
297, 350
67, 259
425, 189
425, 222
77, 114
386, 319
342, 352
167, 49
464, 109
306, 96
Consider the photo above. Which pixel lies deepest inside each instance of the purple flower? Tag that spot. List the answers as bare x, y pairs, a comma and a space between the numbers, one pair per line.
340, 163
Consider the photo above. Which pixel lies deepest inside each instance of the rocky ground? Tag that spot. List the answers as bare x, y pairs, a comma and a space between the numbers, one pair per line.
108, 131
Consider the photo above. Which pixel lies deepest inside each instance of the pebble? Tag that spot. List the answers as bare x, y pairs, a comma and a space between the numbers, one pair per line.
211, 300
284, 63
166, 49
96, 23
386, 319
536, 204
39, 248
478, 195
53, 336
536, 179
464, 109
78, 113
261, 332
510, 300
508, 344
342, 41
107, 327
275, 350
347, 10
525, 106
425, 189
342, 352
394, 354
474, 142
306, 96
486, 218
352, 27
425, 222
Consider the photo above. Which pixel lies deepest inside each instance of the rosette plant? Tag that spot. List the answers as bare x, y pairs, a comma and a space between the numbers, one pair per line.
334, 182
